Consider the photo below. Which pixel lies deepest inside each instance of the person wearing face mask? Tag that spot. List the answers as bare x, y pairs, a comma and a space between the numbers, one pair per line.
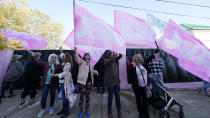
85, 80
155, 67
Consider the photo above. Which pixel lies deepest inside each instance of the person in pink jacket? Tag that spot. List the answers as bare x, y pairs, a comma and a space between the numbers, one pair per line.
85, 80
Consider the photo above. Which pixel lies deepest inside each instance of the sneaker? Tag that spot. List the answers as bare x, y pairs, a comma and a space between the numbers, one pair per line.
65, 114
60, 112
119, 114
33, 105
23, 105
110, 115
80, 115
88, 113
41, 113
51, 111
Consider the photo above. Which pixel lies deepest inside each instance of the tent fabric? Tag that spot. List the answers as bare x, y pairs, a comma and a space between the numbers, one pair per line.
4, 62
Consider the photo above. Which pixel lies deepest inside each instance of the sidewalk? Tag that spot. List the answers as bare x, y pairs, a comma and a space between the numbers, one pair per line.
195, 106
184, 85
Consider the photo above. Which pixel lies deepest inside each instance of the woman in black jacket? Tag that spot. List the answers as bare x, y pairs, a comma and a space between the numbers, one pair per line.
138, 76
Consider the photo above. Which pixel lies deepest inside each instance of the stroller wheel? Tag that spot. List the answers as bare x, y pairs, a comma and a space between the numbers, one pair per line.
164, 114
181, 112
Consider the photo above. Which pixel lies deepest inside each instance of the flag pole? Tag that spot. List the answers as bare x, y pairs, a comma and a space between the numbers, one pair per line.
74, 19
156, 44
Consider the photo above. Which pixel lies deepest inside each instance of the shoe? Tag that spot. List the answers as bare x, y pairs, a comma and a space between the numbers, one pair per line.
65, 114
33, 105
22, 105
119, 114
208, 95
110, 115
41, 113
60, 112
80, 115
88, 113
3, 96
51, 111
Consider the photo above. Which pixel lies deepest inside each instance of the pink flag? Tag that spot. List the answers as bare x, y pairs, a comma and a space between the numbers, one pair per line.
70, 40
134, 30
192, 54
29, 41
92, 31
95, 53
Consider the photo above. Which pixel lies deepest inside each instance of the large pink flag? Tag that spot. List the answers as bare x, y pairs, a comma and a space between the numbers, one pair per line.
29, 41
192, 54
134, 30
92, 31
95, 53
69, 41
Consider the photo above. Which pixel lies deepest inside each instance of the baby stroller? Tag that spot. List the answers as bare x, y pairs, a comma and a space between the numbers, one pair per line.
162, 100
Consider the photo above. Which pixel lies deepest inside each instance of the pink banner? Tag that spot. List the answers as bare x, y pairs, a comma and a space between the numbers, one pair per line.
92, 31
95, 53
134, 30
4, 62
192, 54
29, 41
70, 40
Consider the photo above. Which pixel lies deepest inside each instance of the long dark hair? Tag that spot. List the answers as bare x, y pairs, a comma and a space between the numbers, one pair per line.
85, 55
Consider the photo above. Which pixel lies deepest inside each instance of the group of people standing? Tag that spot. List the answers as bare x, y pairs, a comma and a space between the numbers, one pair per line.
56, 73
53, 73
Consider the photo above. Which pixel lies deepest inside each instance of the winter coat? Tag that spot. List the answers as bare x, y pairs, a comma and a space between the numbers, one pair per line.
14, 71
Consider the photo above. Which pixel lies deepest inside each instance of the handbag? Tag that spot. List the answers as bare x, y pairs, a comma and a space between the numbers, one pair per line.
147, 88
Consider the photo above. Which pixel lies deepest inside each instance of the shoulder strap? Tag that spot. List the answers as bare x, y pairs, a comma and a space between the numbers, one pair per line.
141, 73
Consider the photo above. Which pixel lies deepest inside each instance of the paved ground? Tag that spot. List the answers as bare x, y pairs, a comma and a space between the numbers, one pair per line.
184, 85
195, 106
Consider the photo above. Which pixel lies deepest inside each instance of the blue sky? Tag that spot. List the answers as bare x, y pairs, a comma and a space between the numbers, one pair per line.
62, 10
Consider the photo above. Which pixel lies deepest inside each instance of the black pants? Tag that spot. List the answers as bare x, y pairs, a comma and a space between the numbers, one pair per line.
141, 102
5, 86
29, 88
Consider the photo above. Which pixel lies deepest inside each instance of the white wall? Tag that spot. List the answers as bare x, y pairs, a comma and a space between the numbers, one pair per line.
203, 35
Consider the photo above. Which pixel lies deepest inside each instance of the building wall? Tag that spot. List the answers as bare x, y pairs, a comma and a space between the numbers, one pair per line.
203, 35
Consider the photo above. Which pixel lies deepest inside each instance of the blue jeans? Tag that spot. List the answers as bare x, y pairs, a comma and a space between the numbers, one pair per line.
205, 86
116, 91
45, 90
65, 100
